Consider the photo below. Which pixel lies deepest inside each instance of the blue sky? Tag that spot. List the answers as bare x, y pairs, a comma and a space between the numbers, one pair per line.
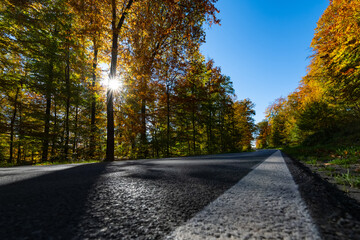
264, 46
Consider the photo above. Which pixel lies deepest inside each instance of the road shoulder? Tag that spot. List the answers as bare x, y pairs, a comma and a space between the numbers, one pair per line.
336, 214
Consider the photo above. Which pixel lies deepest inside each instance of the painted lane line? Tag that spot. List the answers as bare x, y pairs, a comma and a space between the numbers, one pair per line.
265, 204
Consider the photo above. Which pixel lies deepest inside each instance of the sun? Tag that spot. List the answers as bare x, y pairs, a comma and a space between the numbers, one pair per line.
114, 84
111, 84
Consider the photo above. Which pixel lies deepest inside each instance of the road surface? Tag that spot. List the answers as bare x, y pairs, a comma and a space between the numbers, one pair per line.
217, 196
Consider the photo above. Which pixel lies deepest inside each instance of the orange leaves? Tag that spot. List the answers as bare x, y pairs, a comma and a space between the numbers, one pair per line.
337, 32
336, 45
329, 94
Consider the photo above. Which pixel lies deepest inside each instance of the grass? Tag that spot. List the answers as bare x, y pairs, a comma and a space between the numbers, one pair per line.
346, 162
327, 169
71, 162
332, 160
5, 164
312, 161
333, 152
348, 179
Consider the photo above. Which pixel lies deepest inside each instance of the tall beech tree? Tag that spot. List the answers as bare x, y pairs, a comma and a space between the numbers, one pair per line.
116, 26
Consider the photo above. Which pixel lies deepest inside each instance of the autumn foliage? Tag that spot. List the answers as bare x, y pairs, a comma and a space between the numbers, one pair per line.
55, 57
327, 102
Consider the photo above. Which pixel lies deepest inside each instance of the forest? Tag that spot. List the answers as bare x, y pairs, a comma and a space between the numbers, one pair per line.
319, 122
327, 100
97, 80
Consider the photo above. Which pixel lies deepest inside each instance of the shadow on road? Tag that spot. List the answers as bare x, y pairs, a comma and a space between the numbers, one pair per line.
120, 200
47, 206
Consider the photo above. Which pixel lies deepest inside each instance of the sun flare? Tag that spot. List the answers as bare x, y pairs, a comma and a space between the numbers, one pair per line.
113, 84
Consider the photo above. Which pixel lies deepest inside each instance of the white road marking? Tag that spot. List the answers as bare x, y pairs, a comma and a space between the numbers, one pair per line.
265, 204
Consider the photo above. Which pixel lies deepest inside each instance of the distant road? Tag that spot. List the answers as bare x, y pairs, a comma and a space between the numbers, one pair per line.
142, 199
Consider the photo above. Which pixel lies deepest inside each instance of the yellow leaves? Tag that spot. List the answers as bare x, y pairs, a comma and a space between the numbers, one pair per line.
336, 45
37, 6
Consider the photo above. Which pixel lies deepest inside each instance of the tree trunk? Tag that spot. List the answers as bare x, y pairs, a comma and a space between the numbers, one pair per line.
193, 118
54, 145
12, 126
68, 96
168, 121
32, 156
46, 129
210, 132
193, 131
75, 132
93, 104
222, 132
20, 134
188, 139
47, 114
110, 145
143, 139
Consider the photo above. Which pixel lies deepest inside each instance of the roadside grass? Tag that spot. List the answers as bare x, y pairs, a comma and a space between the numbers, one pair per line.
4, 164
328, 169
346, 162
62, 162
348, 179
341, 163
312, 161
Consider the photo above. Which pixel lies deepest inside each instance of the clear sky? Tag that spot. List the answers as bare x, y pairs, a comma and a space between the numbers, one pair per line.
264, 46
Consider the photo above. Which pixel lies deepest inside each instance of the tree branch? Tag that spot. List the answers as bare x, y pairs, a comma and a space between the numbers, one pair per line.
122, 19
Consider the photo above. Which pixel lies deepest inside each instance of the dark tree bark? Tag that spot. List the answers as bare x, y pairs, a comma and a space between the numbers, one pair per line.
47, 114
12, 126
46, 129
54, 137
116, 27
168, 120
143, 138
193, 119
193, 131
210, 139
20, 134
222, 131
68, 98
75, 131
93, 103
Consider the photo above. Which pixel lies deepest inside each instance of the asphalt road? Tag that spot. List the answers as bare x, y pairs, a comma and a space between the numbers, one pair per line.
142, 199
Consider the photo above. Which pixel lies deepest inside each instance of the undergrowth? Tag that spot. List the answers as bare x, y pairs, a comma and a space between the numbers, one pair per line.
340, 162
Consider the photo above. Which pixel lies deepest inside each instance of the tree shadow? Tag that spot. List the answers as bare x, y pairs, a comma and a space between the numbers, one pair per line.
47, 206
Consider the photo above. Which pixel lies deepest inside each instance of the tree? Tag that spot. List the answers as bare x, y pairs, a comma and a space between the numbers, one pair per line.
244, 122
263, 132
116, 24
336, 45
172, 102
